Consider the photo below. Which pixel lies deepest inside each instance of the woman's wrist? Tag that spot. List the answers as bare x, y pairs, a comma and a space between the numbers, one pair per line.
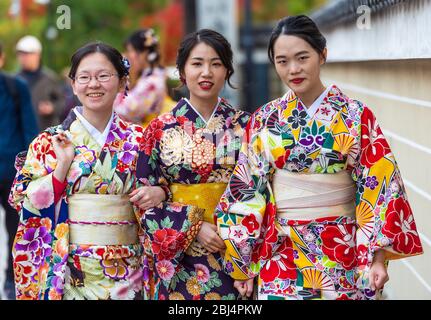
379, 256
60, 171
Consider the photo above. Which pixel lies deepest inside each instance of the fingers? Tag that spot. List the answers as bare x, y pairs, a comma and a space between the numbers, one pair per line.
145, 204
219, 243
138, 195
131, 194
239, 285
380, 280
378, 276
249, 288
61, 138
135, 196
245, 288
372, 279
211, 248
142, 199
214, 241
213, 226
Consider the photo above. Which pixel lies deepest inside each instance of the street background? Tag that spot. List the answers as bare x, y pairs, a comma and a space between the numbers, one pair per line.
379, 53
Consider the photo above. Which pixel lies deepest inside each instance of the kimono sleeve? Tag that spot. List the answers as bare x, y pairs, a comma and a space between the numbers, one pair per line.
32, 191
384, 216
35, 252
171, 227
246, 212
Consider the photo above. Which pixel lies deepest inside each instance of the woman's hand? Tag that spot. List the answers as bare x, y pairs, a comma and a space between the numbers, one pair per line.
209, 238
64, 153
378, 274
244, 287
147, 197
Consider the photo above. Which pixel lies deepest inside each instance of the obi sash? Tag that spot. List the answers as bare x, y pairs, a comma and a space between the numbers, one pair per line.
302, 196
203, 195
99, 219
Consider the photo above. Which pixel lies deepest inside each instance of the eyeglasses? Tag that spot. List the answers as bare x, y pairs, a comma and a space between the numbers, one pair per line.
101, 77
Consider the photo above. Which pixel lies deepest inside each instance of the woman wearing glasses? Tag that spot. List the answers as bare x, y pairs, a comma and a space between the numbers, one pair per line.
78, 235
146, 100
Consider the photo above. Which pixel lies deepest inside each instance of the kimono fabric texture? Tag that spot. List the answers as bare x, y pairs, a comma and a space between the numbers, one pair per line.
85, 245
195, 159
311, 199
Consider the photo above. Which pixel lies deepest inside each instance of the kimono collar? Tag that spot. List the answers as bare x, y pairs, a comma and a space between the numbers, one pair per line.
311, 110
197, 112
332, 94
100, 137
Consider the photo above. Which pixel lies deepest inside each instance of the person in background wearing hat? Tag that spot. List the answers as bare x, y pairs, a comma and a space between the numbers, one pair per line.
18, 127
45, 87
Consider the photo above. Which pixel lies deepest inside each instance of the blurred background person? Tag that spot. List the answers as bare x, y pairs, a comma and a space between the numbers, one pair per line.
46, 91
148, 97
18, 128
71, 100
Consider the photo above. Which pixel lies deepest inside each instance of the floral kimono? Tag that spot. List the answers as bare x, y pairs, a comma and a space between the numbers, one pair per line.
194, 159
48, 263
318, 254
146, 100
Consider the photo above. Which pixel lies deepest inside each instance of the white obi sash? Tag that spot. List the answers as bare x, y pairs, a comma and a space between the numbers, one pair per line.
303, 196
102, 220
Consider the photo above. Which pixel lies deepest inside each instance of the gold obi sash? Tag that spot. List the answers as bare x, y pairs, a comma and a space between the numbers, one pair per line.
301, 196
203, 195
100, 219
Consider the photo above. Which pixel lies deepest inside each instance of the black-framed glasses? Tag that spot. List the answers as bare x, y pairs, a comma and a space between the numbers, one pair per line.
101, 77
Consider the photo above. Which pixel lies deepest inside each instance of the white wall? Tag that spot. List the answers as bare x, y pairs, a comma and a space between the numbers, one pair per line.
398, 32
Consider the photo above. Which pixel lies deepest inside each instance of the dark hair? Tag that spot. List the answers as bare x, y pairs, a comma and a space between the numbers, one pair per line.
212, 38
113, 55
145, 40
1, 49
300, 26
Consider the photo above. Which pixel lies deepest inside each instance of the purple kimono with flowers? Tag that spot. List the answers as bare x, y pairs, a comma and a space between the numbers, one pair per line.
46, 264
180, 147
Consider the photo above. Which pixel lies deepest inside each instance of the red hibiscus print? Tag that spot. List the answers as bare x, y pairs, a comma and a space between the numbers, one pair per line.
204, 171
122, 124
339, 244
33, 223
281, 265
281, 161
250, 223
264, 249
182, 119
152, 134
362, 255
167, 242
400, 227
43, 148
374, 144
23, 268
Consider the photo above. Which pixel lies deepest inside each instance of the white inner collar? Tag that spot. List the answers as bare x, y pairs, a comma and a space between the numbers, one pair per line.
315, 105
203, 119
100, 137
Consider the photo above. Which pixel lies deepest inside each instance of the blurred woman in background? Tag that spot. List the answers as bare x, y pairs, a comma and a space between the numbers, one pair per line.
148, 97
